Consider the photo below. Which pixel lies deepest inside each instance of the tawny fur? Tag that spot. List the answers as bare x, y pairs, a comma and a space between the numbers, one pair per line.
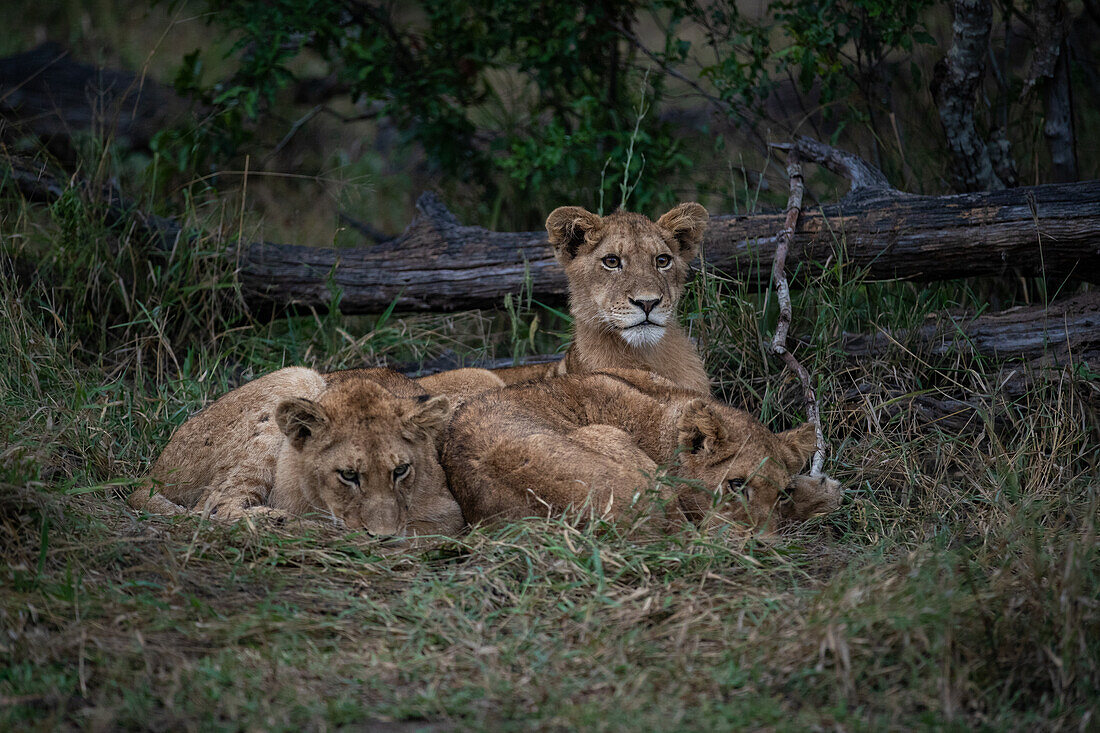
276, 447
612, 328
457, 384
581, 240
594, 442
460, 384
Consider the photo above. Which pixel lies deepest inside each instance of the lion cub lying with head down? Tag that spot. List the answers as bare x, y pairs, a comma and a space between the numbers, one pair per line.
357, 446
595, 442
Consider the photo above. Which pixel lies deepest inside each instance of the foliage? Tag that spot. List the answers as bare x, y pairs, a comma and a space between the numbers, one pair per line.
519, 98
832, 48
540, 103
518, 107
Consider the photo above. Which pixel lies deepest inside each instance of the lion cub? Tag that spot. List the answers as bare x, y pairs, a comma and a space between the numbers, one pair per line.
626, 277
356, 447
595, 441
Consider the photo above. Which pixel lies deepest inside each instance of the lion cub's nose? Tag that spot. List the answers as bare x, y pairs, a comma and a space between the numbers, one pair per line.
646, 305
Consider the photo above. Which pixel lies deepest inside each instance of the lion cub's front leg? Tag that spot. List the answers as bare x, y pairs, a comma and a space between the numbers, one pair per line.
233, 508
246, 486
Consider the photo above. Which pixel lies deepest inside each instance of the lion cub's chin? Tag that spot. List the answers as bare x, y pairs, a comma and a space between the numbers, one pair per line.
645, 335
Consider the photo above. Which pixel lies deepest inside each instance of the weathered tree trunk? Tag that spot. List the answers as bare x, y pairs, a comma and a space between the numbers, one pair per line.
1037, 344
439, 264
955, 83
1050, 73
1058, 127
45, 93
1057, 334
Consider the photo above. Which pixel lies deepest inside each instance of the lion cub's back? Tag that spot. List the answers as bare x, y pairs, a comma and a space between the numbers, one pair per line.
461, 384
395, 382
555, 404
223, 435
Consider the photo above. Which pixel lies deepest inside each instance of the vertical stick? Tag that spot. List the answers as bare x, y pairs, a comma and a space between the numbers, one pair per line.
783, 293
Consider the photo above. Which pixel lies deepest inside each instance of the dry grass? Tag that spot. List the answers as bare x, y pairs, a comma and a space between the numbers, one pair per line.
956, 588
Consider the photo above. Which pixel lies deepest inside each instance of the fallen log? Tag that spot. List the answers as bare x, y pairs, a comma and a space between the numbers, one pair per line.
439, 264
44, 92
1057, 343
1060, 334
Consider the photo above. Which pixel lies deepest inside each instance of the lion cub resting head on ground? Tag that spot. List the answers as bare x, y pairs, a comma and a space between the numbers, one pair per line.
595, 442
360, 449
626, 277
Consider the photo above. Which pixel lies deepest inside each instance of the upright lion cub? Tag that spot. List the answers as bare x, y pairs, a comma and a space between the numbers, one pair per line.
359, 447
626, 277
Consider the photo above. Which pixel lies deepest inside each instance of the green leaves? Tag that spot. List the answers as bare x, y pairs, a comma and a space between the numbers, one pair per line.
525, 99
831, 48
538, 102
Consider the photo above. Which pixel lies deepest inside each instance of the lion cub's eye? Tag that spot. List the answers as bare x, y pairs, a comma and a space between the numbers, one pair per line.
401, 471
349, 476
663, 262
611, 262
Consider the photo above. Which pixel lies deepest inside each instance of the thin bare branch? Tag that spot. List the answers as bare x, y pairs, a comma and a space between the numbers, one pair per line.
861, 175
783, 293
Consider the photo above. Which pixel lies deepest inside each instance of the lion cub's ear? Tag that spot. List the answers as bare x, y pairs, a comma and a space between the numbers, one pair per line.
429, 417
798, 446
688, 223
300, 419
700, 428
567, 227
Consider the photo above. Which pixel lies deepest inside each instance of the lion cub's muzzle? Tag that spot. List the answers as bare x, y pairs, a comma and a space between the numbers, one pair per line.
379, 522
638, 312
642, 320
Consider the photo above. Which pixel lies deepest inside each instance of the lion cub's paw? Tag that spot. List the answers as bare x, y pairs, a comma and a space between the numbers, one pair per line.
234, 511
268, 514
809, 496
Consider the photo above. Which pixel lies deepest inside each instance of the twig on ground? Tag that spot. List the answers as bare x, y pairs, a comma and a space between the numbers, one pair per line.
783, 293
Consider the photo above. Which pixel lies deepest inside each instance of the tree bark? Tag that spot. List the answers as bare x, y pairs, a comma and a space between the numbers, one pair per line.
1050, 74
955, 83
439, 264
45, 93
1061, 333
1058, 127
1047, 341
